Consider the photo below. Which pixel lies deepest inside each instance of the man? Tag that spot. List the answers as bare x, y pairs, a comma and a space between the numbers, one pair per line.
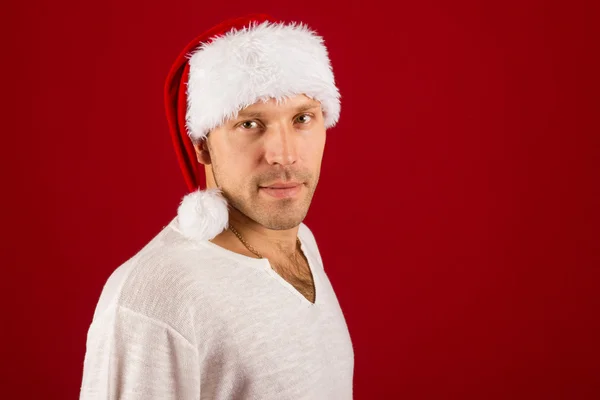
230, 300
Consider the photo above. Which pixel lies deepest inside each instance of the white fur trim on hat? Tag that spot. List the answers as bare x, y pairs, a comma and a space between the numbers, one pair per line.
203, 214
262, 61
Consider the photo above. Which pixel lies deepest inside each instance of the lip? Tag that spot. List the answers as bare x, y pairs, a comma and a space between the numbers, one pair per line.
281, 185
282, 190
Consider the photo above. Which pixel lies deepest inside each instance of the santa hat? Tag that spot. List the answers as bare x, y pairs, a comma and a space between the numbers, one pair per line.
229, 67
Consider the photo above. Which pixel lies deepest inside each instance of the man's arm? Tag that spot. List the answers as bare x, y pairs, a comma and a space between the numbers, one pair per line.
130, 356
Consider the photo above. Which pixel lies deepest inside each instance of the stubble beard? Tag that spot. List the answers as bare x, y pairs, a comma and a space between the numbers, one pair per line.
276, 214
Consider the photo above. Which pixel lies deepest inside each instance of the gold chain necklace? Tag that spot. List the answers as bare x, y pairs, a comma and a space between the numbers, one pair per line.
248, 246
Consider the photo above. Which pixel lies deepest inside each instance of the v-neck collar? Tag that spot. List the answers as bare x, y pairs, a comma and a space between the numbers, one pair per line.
264, 263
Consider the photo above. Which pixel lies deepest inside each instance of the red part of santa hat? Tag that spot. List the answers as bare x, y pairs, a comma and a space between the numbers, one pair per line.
175, 96
235, 64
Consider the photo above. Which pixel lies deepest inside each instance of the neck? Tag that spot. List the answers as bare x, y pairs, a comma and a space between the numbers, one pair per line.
269, 243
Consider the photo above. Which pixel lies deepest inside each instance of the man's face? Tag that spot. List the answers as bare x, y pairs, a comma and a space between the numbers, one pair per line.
269, 145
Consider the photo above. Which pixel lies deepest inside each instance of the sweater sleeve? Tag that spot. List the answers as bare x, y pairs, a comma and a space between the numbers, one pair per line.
130, 356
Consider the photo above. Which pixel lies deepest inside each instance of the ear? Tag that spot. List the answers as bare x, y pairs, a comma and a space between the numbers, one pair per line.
202, 152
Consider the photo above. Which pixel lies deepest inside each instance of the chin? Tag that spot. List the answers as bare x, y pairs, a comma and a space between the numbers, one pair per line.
281, 220
282, 225
281, 214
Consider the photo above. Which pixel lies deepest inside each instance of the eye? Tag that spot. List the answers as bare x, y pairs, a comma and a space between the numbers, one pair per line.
249, 125
304, 118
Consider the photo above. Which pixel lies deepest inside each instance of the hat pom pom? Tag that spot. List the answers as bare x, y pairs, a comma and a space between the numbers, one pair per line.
203, 214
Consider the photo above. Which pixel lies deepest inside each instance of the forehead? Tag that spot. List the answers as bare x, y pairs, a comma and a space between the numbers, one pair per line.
292, 104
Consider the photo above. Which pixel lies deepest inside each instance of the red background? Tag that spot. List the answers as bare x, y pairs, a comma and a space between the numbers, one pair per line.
457, 212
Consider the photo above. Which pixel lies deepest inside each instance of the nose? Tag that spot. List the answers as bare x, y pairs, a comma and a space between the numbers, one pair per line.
280, 145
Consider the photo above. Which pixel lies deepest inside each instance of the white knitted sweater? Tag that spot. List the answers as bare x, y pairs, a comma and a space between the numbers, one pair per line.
186, 319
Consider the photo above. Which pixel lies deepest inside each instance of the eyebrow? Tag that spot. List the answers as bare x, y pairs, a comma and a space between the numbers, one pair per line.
258, 114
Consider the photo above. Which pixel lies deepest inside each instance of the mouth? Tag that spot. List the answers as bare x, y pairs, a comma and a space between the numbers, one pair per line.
282, 190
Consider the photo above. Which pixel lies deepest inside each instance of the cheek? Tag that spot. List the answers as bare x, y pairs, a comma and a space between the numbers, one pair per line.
238, 171
314, 148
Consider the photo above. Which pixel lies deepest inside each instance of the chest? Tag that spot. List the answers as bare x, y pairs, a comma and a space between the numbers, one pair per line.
298, 275
281, 352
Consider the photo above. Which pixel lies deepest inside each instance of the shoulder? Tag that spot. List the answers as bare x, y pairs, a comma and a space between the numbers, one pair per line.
164, 281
